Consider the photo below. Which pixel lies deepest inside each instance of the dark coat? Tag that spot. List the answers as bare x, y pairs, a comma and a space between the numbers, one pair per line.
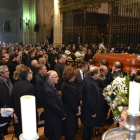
5, 93
112, 75
39, 83
12, 67
79, 83
20, 88
28, 61
35, 71
90, 103
71, 102
53, 113
87, 57
59, 68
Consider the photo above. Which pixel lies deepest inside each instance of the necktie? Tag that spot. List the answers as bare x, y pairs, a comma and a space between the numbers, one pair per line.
83, 76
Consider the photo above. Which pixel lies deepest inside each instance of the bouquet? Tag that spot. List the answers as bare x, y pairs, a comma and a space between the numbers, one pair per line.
116, 95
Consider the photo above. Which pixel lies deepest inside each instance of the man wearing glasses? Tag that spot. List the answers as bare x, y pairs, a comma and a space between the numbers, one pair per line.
53, 107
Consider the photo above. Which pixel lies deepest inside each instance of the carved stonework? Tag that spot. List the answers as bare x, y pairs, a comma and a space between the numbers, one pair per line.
81, 4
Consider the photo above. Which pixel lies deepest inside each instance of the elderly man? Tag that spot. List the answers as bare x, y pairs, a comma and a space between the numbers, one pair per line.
34, 68
40, 79
116, 70
59, 67
53, 108
5, 96
91, 103
102, 83
5, 87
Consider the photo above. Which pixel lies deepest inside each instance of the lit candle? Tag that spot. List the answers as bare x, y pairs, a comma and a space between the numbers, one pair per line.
28, 112
134, 93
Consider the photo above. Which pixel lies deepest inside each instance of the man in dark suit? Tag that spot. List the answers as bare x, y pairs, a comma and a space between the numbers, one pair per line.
12, 63
90, 111
30, 58
5, 96
34, 69
81, 74
102, 82
116, 70
40, 79
105, 63
53, 108
59, 67
21, 88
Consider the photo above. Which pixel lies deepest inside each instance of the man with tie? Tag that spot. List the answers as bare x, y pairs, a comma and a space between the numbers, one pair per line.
59, 68
81, 74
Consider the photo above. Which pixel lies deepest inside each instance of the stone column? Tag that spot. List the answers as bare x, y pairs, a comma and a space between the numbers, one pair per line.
57, 24
29, 21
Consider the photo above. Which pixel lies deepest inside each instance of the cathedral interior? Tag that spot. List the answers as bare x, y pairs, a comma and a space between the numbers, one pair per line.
63, 21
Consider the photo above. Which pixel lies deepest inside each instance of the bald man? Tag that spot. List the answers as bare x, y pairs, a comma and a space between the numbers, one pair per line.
53, 108
102, 82
90, 111
116, 70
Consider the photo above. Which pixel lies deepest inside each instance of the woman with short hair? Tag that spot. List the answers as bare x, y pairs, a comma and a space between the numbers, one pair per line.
71, 103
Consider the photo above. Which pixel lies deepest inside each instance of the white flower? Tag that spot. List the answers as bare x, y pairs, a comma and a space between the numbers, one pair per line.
108, 98
120, 108
67, 52
78, 54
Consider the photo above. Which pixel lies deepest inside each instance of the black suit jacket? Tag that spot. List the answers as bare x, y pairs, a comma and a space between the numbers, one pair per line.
53, 113
39, 83
35, 71
79, 83
59, 68
20, 88
90, 103
112, 75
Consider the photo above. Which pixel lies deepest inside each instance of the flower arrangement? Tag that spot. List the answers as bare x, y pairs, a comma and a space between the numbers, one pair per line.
78, 55
116, 95
67, 52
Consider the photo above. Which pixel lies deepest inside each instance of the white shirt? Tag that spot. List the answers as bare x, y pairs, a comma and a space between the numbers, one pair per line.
81, 74
101, 46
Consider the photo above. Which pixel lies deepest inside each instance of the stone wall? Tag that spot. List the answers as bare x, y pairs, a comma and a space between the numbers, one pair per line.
44, 10
10, 12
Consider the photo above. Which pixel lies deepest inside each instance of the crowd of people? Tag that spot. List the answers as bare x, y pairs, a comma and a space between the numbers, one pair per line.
41, 71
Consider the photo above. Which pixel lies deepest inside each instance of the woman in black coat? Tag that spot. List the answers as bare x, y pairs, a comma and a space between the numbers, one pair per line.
71, 103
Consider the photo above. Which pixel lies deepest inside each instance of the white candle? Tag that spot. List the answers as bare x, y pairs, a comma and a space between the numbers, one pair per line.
28, 112
134, 93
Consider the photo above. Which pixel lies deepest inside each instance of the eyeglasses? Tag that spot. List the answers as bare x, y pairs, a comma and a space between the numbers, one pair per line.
55, 77
121, 119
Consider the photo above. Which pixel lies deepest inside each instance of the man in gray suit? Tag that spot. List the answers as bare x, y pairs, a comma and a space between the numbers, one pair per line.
81, 74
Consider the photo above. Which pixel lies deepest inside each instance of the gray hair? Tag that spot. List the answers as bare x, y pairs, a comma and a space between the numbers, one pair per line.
33, 62
2, 68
